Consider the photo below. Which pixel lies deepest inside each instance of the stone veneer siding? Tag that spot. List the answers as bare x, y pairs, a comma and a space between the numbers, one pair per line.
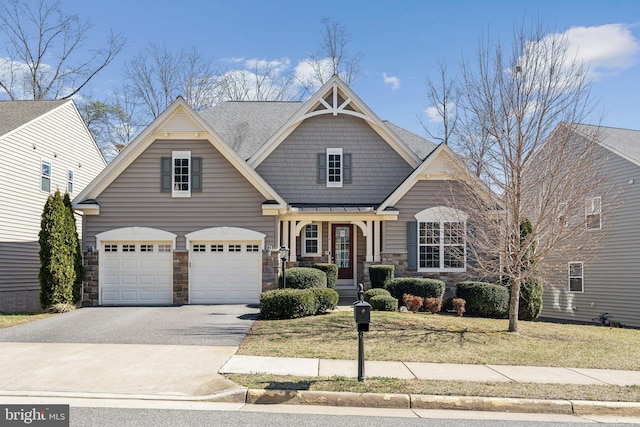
20, 301
270, 270
90, 284
180, 277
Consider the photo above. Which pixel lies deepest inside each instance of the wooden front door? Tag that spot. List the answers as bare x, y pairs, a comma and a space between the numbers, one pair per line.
343, 249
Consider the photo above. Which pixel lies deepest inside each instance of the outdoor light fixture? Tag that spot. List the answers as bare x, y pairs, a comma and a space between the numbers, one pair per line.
284, 254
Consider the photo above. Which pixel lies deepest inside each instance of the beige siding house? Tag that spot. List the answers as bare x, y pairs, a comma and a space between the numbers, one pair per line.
45, 146
196, 208
581, 284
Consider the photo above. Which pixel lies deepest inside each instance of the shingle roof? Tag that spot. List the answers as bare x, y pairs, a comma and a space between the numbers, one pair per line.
622, 141
14, 114
247, 125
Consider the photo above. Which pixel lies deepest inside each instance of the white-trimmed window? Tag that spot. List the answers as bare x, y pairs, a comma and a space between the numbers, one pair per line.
311, 240
45, 176
199, 248
217, 248
69, 181
146, 248
128, 248
253, 248
181, 161
164, 248
235, 248
110, 248
593, 212
576, 276
441, 240
334, 167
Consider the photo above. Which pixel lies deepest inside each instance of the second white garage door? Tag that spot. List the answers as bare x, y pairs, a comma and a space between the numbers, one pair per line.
224, 272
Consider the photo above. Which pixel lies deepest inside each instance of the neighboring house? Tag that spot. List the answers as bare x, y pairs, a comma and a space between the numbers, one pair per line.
195, 209
603, 277
45, 146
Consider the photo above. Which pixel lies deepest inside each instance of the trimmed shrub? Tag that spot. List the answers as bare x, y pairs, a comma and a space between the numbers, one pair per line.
331, 270
370, 293
425, 288
530, 305
484, 299
412, 302
326, 299
383, 303
380, 274
447, 304
305, 278
458, 305
433, 305
287, 303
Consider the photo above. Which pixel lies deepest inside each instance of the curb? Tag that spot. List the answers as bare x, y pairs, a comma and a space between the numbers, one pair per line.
418, 401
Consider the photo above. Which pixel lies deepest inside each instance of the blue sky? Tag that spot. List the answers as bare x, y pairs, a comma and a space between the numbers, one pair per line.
402, 40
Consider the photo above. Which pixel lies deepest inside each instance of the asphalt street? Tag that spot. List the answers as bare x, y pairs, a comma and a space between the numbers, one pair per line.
208, 325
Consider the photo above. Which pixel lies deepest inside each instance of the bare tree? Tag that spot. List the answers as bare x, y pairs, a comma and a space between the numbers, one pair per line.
332, 57
526, 103
442, 96
259, 80
45, 56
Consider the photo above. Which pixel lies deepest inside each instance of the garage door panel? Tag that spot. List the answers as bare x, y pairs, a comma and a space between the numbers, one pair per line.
134, 277
225, 272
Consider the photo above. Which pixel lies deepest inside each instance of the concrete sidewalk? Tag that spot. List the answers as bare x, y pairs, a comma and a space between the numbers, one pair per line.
239, 364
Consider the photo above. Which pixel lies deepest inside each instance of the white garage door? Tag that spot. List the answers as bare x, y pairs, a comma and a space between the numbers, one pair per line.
225, 272
136, 273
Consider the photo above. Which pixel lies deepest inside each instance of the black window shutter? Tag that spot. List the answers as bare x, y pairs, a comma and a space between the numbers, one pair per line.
165, 174
322, 168
196, 174
412, 245
346, 168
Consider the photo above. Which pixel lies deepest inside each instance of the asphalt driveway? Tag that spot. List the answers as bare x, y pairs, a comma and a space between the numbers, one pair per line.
202, 325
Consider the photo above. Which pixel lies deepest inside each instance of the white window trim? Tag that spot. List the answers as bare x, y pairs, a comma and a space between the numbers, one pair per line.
180, 155
441, 215
569, 276
319, 239
50, 175
334, 151
590, 211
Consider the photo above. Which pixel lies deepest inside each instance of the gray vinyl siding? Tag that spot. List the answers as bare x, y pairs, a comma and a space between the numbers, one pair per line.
292, 168
134, 198
423, 195
612, 270
61, 132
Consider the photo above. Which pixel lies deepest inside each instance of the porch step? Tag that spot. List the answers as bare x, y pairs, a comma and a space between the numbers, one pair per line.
346, 292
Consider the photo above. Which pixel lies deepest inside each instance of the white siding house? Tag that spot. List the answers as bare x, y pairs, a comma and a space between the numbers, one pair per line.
44, 146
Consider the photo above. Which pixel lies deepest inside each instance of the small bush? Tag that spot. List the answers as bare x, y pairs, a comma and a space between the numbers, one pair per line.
447, 304
305, 278
326, 299
63, 307
530, 305
484, 299
383, 303
380, 274
370, 293
458, 305
433, 305
424, 288
287, 303
412, 302
331, 270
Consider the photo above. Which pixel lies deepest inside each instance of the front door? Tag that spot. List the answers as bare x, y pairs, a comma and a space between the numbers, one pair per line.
342, 250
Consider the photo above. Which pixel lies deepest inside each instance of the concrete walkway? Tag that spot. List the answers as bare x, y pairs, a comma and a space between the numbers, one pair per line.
239, 364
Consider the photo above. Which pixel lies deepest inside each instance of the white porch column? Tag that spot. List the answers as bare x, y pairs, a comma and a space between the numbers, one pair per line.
285, 234
370, 237
376, 242
292, 245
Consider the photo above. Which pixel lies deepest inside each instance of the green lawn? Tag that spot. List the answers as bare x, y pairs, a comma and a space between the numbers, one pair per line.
444, 338
412, 337
7, 320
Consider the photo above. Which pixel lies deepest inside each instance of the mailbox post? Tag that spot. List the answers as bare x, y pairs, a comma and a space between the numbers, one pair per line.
362, 315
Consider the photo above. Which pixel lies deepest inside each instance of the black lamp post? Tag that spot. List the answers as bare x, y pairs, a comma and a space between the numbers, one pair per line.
284, 253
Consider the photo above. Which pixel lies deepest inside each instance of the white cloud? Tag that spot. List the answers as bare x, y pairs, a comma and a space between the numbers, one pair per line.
432, 114
607, 49
392, 81
311, 73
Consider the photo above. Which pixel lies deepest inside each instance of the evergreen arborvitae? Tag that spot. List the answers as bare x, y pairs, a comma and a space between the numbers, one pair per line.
57, 272
77, 255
